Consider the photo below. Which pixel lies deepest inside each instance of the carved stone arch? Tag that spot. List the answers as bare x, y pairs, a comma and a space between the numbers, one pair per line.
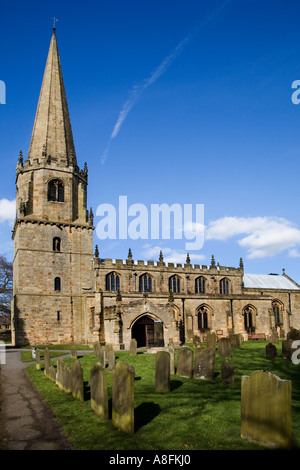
144, 330
56, 189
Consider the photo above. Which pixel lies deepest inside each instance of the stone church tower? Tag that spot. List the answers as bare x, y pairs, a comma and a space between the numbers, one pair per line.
53, 231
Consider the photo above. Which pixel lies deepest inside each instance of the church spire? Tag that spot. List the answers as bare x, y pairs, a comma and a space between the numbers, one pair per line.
52, 133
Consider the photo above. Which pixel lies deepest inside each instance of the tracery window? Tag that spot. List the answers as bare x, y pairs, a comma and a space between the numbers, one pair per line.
224, 286
277, 312
200, 285
249, 319
174, 283
145, 283
112, 282
203, 318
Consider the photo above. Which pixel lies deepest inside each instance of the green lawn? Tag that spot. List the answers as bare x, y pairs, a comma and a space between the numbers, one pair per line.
195, 415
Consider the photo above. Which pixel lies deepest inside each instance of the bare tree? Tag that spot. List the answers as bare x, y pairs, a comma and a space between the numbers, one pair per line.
6, 285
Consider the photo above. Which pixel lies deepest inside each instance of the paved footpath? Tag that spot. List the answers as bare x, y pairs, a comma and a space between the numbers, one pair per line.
26, 422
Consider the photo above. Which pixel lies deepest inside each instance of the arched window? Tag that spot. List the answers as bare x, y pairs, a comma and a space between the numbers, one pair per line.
249, 319
224, 286
200, 285
56, 244
174, 283
145, 283
277, 312
56, 191
57, 285
112, 282
203, 313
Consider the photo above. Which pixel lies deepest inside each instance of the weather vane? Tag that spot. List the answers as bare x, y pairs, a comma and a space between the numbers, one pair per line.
54, 20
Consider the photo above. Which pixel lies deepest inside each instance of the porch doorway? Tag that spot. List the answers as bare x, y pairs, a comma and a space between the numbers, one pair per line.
145, 332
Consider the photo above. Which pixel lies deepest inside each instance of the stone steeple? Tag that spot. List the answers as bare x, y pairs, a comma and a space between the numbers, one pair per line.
52, 133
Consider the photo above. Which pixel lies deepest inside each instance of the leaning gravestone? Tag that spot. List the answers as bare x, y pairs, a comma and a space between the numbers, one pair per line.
171, 351
47, 362
99, 396
123, 397
133, 346
38, 359
204, 367
271, 351
227, 373
185, 362
162, 371
266, 409
224, 347
77, 381
211, 339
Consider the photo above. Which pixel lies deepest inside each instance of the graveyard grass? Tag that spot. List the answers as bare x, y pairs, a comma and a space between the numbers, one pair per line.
194, 415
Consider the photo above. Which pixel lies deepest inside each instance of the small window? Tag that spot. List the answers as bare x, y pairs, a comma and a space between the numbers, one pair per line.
58, 316
200, 285
56, 244
145, 283
112, 282
174, 284
57, 285
56, 191
224, 286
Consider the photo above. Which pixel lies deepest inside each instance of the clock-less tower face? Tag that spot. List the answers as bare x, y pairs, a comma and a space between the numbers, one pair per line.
53, 231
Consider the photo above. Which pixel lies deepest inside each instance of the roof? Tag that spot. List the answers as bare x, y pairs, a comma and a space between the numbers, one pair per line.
268, 281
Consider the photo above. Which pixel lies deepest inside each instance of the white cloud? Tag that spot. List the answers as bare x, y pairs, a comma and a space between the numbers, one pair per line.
264, 236
7, 210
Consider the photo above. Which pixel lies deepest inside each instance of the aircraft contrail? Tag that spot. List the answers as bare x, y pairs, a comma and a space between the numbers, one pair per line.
137, 90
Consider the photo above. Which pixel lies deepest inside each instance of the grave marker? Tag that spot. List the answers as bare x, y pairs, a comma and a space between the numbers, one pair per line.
123, 397
162, 371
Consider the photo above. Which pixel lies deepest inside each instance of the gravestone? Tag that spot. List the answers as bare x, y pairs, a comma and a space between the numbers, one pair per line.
266, 404
99, 396
162, 371
38, 359
97, 349
204, 367
235, 340
111, 360
224, 347
73, 352
171, 351
52, 373
211, 339
133, 347
274, 338
47, 362
197, 341
77, 381
293, 334
287, 348
123, 397
185, 362
227, 373
108, 347
271, 350
158, 334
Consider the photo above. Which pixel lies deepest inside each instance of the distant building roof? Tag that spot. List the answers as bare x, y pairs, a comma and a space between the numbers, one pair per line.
268, 281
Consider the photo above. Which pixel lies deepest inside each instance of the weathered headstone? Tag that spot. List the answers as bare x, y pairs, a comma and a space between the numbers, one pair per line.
99, 396
162, 371
133, 347
52, 373
108, 348
287, 348
77, 386
123, 397
47, 362
73, 352
293, 334
171, 351
197, 341
185, 362
97, 349
274, 338
227, 373
224, 347
38, 359
271, 350
111, 360
204, 367
211, 339
158, 334
266, 404
235, 340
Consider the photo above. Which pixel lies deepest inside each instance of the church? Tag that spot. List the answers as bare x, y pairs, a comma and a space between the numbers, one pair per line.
64, 293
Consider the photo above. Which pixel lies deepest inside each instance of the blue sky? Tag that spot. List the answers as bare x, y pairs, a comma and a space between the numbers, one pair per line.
185, 102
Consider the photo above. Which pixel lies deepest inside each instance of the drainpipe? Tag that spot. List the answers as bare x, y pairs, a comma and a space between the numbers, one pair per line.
231, 313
